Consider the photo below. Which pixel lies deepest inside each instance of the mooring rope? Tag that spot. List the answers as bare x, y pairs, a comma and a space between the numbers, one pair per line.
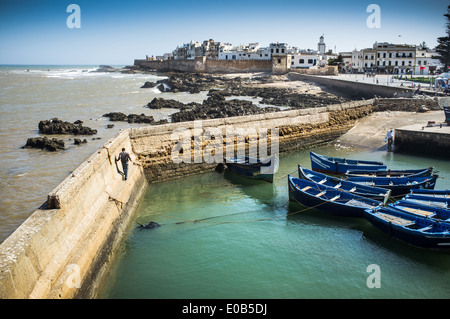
202, 220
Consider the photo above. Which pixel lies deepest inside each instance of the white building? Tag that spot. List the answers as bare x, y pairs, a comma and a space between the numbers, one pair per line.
357, 61
253, 51
394, 59
306, 60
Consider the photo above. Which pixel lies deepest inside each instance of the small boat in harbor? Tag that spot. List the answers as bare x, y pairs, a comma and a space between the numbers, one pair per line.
339, 166
443, 193
412, 229
391, 173
253, 167
416, 208
440, 202
380, 194
329, 199
397, 185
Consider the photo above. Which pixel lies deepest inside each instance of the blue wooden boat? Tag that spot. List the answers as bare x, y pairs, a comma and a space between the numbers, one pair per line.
391, 173
329, 199
397, 185
254, 168
409, 228
339, 166
380, 194
440, 202
427, 211
443, 193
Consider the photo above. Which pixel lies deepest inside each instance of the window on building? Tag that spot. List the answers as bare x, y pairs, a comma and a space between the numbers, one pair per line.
378, 55
424, 62
419, 62
282, 50
310, 61
279, 60
302, 61
278, 50
403, 63
396, 63
389, 63
384, 54
390, 55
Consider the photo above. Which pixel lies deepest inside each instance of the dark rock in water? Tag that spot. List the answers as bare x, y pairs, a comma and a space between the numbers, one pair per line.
158, 103
56, 126
78, 122
131, 118
116, 116
110, 126
78, 141
45, 143
150, 225
134, 118
105, 68
148, 84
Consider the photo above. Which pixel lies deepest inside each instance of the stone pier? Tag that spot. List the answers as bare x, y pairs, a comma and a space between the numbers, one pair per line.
64, 249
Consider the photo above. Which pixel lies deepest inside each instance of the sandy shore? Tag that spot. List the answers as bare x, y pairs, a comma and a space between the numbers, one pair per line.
371, 131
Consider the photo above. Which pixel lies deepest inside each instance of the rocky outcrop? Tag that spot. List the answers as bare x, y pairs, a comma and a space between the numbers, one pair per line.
217, 107
45, 143
158, 103
133, 118
78, 141
56, 126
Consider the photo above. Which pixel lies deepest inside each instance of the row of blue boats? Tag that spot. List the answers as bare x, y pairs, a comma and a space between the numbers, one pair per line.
368, 189
355, 188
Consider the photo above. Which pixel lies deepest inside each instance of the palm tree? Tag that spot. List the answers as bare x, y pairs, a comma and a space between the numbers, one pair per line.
443, 47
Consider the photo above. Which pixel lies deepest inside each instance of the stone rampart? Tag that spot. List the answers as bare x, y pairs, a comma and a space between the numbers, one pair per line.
62, 249
353, 90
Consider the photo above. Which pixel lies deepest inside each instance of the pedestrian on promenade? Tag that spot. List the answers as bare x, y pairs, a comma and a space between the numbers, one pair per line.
124, 157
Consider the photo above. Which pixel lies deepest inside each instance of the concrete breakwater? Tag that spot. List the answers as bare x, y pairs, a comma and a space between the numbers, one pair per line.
64, 248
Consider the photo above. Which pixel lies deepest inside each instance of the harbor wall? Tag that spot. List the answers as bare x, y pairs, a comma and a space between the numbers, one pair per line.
296, 129
64, 248
351, 89
423, 140
204, 65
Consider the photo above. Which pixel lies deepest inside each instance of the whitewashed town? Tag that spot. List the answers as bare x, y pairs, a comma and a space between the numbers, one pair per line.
381, 58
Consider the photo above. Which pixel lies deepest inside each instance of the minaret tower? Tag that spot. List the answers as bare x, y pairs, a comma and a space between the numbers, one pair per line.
321, 45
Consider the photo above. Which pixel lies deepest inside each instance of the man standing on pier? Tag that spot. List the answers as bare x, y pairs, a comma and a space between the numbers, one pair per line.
124, 157
390, 138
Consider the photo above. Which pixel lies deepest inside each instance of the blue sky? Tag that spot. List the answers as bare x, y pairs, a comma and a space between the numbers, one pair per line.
117, 32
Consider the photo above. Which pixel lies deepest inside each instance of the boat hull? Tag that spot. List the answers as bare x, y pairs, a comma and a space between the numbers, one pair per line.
391, 173
380, 194
415, 232
326, 203
252, 168
339, 166
397, 185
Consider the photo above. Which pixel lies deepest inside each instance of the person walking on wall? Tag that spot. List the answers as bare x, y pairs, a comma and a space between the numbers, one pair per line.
124, 157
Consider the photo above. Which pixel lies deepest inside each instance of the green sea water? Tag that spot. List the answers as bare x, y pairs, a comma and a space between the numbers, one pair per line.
226, 237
